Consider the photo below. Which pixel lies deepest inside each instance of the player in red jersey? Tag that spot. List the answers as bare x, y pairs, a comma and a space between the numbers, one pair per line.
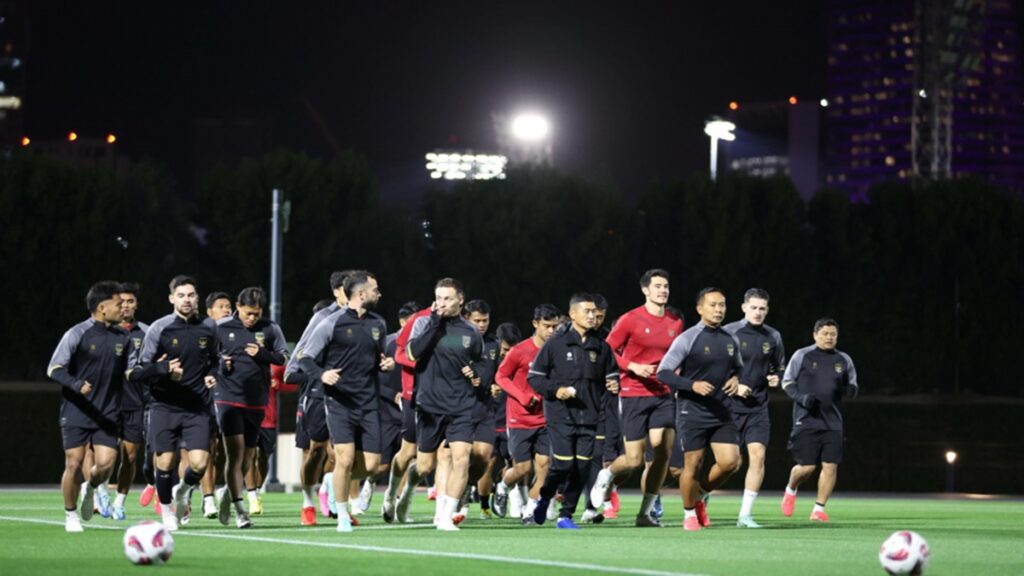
640, 339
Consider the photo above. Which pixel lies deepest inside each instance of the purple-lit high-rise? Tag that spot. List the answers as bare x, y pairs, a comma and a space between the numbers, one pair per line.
880, 60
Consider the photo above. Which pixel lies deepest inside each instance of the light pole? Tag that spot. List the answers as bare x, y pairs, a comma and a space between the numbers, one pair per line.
718, 129
951, 458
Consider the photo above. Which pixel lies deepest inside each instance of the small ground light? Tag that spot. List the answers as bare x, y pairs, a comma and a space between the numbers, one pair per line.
951, 458
734, 105
25, 140
111, 138
792, 100
823, 102
72, 136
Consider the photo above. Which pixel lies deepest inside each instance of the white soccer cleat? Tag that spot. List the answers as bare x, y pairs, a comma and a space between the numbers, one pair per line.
602, 486
365, 496
170, 522
242, 520
591, 516
73, 524
178, 494
387, 509
210, 508
553, 509
224, 508
515, 503
446, 525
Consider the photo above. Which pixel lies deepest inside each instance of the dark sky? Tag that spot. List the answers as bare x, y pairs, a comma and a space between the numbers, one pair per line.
627, 84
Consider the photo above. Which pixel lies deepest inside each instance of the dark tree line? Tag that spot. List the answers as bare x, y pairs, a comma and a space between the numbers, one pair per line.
924, 281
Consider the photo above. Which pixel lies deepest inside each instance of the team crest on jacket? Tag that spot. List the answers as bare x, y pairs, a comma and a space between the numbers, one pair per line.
731, 349
593, 357
494, 354
203, 342
118, 349
260, 338
568, 356
671, 333
766, 347
137, 342
743, 344
231, 336
174, 342
839, 368
466, 341
707, 349
375, 332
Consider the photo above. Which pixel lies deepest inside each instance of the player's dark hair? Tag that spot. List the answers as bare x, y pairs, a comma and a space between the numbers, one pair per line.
338, 278
645, 280
183, 280
322, 304
674, 311
508, 332
132, 288
479, 306
546, 312
355, 280
101, 292
822, 322
253, 296
408, 309
755, 293
450, 283
212, 298
580, 298
706, 291
600, 302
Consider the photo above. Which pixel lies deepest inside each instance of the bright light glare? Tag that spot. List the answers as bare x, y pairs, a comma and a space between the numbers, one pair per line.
720, 129
824, 103
530, 127
951, 457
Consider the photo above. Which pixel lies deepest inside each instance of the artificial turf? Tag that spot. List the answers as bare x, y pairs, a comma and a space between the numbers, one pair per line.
967, 536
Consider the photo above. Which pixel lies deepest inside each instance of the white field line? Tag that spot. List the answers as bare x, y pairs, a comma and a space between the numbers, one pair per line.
389, 550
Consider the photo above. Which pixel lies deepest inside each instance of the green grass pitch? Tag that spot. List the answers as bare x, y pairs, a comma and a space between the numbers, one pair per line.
966, 537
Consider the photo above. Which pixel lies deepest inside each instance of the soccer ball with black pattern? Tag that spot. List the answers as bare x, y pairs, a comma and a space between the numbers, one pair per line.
148, 543
904, 552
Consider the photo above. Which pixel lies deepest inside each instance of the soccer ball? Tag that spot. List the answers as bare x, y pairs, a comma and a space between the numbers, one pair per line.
148, 543
904, 552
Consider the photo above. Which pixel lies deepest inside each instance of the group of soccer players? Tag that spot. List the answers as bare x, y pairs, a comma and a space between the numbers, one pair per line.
573, 410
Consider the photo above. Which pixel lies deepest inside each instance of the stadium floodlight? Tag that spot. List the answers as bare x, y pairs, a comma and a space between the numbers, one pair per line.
951, 457
465, 166
718, 129
530, 127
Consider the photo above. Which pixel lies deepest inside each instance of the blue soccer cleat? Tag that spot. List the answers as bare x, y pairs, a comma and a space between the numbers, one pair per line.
540, 513
658, 511
566, 524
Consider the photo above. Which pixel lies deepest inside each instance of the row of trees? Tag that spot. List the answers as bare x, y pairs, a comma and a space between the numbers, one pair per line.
924, 281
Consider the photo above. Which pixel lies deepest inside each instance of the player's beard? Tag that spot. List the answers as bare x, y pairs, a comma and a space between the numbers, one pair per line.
370, 304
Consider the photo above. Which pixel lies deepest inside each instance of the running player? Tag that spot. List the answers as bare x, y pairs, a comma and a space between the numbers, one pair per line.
508, 335
179, 359
528, 440
646, 408
351, 343
444, 346
817, 378
218, 307
133, 402
478, 312
89, 364
763, 360
248, 344
572, 372
267, 443
311, 433
709, 365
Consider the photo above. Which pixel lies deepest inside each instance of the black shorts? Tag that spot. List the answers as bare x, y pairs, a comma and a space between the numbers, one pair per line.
133, 426
239, 421
408, 421
501, 447
357, 426
483, 431
675, 455
267, 440
754, 427
96, 435
612, 432
638, 415
571, 443
693, 436
524, 444
170, 430
314, 420
432, 429
390, 439
810, 447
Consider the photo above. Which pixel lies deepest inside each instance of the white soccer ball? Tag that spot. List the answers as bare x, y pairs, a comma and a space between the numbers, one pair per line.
904, 552
148, 543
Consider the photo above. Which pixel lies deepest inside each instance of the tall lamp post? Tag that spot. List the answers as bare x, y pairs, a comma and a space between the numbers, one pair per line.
718, 129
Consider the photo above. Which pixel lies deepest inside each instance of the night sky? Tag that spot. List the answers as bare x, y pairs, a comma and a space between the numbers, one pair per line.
627, 85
